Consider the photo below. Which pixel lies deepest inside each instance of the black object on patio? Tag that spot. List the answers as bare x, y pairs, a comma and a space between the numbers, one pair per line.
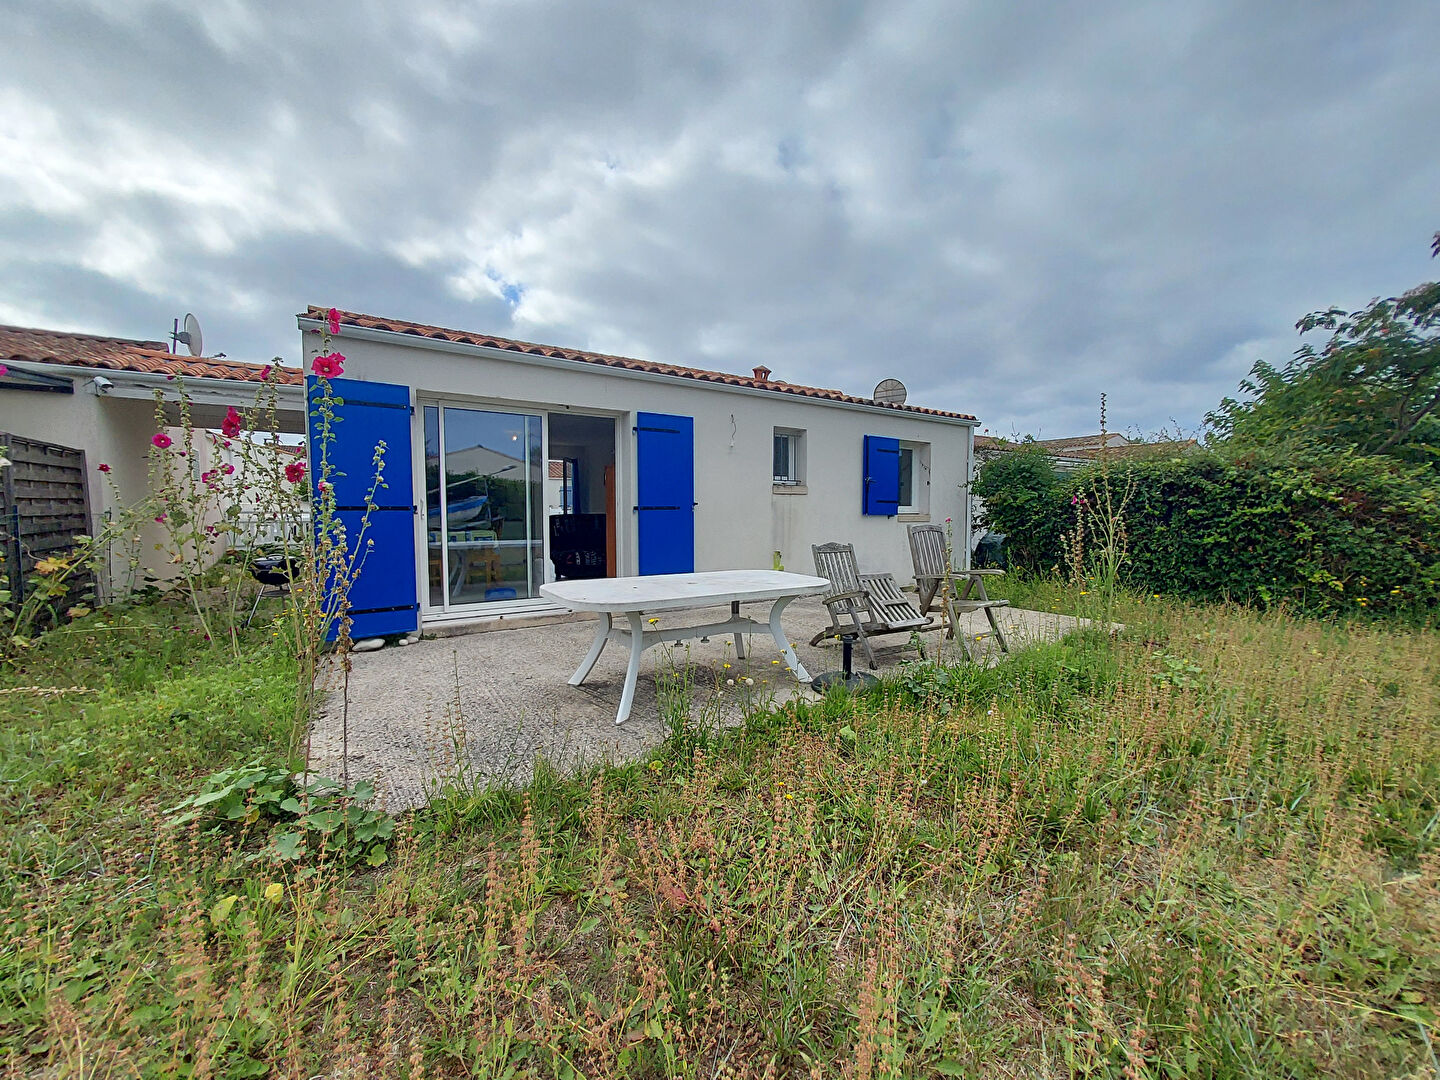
849, 679
275, 573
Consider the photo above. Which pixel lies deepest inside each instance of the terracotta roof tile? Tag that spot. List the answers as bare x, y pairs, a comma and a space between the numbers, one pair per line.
26, 344
1087, 447
396, 326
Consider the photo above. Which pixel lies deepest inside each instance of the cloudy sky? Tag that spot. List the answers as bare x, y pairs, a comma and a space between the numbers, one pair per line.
1010, 206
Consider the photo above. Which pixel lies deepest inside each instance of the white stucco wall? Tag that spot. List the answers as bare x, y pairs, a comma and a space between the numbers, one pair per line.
740, 521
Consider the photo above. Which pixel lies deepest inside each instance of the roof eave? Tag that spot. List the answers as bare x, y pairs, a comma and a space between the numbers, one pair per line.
350, 330
143, 384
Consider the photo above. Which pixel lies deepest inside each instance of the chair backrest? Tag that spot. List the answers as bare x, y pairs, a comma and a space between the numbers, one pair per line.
927, 550
837, 562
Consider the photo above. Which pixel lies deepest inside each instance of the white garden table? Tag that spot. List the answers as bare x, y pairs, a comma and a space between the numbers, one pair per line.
633, 598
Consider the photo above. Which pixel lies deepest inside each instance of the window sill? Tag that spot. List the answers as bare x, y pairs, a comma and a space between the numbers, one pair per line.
789, 489
912, 517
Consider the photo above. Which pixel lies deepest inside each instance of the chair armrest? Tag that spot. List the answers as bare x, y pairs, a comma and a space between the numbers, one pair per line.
835, 598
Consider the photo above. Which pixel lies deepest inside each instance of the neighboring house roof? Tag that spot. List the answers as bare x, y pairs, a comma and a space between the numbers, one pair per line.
1109, 440
22, 344
1084, 448
396, 326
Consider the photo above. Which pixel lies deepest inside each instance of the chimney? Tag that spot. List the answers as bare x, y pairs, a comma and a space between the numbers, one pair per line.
762, 373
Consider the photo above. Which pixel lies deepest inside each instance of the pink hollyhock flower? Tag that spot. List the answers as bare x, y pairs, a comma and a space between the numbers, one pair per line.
159, 519
227, 469
230, 426
160, 440
104, 467
334, 321
329, 365
4, 371
295, 472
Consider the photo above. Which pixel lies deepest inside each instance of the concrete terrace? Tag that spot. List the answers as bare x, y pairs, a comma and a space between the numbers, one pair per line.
487, 705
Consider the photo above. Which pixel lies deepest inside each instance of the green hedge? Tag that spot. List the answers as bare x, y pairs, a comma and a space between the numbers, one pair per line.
1344, 534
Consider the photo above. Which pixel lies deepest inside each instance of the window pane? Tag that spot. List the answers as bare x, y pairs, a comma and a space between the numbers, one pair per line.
434, 557
782, 457
494, 484
907, 477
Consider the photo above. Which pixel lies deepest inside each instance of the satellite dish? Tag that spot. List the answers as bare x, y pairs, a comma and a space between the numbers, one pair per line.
196, 340
890, 392
190, 337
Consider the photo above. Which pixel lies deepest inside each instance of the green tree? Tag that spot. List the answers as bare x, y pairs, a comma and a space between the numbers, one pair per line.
1373, 388
1023, 499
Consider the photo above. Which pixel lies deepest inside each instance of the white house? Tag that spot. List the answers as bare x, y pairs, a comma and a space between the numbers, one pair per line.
664, 469
96, 394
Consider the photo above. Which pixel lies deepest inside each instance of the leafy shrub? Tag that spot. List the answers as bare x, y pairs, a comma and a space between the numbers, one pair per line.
1343, 533
1346, 534
317, 815
1024, 500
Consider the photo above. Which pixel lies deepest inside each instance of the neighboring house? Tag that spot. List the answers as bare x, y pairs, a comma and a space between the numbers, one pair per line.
1080, 450
96, 394
679, 469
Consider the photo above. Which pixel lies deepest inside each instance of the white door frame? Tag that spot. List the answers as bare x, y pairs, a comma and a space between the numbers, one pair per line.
448, 612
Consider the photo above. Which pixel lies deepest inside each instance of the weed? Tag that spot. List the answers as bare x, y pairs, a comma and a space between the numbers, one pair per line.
1061, 864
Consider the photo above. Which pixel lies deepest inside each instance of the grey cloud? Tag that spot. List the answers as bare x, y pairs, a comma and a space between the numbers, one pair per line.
1011, 207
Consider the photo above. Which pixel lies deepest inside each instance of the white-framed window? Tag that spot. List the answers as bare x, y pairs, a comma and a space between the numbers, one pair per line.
914, 478
789, 457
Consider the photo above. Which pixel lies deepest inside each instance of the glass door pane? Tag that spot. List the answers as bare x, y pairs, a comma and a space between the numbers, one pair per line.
434, 509
494, 484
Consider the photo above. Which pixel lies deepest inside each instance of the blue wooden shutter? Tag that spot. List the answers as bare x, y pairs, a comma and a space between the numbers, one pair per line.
665, 487
880, 483
382, 596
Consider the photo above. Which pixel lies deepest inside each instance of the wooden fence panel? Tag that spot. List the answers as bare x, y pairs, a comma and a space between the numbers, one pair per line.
44, 506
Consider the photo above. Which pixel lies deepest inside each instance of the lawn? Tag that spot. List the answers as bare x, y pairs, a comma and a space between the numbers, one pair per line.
1206, 847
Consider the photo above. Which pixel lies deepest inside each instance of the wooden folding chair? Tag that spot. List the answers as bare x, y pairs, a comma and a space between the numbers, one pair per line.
966, 591
872, 603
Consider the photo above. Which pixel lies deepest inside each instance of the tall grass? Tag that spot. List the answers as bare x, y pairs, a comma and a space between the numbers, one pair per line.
1205, 848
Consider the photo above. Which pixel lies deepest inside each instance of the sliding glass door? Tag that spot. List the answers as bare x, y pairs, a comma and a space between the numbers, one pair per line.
484, 489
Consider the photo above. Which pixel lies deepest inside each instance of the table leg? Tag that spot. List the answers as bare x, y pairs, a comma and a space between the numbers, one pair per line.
739, 638
782, 640
632, 671
602, 635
